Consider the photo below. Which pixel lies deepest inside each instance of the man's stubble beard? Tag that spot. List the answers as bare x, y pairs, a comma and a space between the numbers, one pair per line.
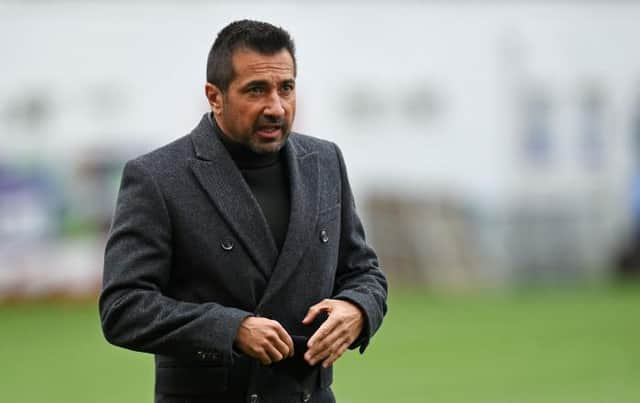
256, 146
252, 141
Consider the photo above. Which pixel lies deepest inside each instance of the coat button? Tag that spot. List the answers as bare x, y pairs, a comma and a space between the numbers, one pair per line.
226, 244
324, 236
253, 398
306, 396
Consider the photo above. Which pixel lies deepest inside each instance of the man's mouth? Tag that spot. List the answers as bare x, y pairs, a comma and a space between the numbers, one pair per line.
269, 132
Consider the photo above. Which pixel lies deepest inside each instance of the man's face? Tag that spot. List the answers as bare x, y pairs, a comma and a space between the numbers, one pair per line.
259, 106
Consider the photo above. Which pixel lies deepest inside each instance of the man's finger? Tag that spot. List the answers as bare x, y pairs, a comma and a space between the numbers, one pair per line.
323, 331
314, 311
263, 357
286, 339
273, 353
281, 346
328, 349
321, 347
314, 357
335, 336
337, 354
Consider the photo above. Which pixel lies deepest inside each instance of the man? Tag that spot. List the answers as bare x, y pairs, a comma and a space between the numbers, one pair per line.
236, 255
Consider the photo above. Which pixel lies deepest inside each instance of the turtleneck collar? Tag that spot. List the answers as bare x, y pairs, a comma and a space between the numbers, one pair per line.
244, 157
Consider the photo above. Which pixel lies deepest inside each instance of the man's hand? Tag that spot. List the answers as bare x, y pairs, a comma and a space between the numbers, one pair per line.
335, 335
264, 339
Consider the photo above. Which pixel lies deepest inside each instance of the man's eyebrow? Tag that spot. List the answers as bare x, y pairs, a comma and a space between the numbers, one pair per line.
265, 83
256, 83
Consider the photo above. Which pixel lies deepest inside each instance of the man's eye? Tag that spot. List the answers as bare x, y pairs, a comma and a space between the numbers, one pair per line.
287, 87
256, 90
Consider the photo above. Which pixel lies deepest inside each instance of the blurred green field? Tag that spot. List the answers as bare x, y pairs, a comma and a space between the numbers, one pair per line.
561, 345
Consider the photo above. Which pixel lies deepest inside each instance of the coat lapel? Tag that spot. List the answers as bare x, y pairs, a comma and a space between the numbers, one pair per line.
303, 183
223, 182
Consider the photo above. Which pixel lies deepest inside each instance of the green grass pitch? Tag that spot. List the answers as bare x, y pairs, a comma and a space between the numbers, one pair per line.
562, 345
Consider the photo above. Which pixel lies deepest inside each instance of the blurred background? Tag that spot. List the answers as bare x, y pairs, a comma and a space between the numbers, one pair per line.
493, 147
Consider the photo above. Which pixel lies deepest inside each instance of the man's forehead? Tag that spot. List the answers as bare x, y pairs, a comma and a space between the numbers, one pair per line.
248, 62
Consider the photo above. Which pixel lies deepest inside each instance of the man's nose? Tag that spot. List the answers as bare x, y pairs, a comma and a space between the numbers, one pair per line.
274, 107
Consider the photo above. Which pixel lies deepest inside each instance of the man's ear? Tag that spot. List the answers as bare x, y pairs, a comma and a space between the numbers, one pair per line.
215, 98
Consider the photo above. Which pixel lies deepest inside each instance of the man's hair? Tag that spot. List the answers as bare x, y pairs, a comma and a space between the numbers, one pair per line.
257, 36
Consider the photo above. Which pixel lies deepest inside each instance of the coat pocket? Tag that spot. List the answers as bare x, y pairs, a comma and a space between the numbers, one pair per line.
195, 381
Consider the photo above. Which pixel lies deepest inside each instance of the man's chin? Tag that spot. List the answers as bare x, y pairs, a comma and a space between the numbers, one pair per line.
268, 147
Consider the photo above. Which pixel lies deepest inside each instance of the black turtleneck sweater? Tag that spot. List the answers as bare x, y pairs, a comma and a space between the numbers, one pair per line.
267, 177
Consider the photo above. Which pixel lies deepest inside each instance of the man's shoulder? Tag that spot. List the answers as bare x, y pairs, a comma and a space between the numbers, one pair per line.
329, 153
168, 157
309, 144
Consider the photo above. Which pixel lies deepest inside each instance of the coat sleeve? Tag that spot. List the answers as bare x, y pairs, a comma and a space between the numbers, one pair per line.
359, 278
134, 312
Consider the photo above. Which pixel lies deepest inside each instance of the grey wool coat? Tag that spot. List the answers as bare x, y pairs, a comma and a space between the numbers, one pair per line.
190, 255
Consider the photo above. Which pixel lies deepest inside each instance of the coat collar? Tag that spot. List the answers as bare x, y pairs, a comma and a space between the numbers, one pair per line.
304, 190
223, 182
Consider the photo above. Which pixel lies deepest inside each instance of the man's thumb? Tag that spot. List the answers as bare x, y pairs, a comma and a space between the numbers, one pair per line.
313, 312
